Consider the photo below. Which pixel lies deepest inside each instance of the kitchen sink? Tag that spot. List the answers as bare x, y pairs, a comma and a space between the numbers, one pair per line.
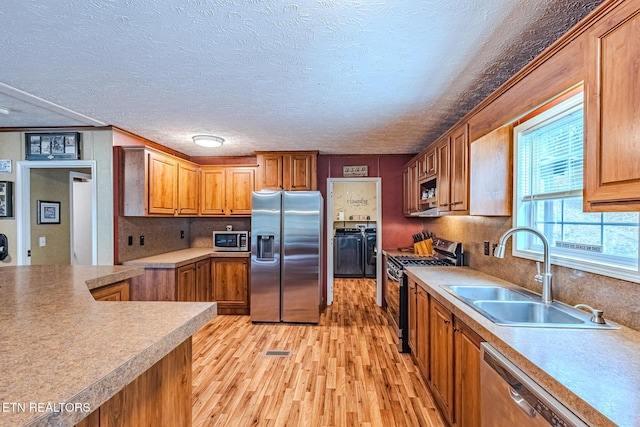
492, 293
513, 306
527, 312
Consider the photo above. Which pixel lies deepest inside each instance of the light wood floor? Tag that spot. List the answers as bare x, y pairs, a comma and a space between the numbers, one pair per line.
346, 371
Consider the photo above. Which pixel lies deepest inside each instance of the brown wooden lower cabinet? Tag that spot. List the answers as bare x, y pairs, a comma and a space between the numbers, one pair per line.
115, 292
441, 357
467, 375
186, 283
190, 282
230, 285
447, 353
161, 396
203, 280
422, 355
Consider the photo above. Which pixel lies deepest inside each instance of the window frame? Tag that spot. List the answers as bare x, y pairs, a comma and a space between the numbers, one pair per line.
605, 265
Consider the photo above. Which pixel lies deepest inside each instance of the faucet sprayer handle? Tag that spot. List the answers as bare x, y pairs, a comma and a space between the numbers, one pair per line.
538, 277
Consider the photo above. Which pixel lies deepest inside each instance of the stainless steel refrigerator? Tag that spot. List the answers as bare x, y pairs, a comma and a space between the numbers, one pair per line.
286, 261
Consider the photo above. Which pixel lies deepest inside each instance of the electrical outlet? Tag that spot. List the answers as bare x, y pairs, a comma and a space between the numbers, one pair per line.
130, 240
182, 234
486, 247
141, 240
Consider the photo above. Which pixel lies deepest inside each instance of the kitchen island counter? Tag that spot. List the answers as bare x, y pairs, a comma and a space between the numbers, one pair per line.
62, 348
595, 373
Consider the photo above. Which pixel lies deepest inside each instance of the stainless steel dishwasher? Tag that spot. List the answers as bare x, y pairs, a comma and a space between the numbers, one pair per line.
510, 398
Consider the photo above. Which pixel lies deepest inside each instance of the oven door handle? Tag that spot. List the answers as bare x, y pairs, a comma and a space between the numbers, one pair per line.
392, 275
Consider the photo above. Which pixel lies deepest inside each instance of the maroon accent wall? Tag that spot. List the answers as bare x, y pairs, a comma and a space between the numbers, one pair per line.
396, 228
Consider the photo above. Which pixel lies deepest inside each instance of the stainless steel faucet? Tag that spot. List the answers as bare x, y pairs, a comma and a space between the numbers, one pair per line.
545, 278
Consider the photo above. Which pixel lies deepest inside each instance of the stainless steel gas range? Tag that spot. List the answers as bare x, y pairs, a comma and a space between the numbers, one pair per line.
447, 253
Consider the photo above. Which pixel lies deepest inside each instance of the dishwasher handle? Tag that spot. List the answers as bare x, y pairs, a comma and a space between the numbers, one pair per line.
523, 404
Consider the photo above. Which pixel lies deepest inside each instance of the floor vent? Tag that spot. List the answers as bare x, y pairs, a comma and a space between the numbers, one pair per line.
278, 353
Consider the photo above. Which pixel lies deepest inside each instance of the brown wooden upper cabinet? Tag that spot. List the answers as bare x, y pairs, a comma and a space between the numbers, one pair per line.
490, 183
226, 190
287, 170
452, 153
612, 112
162, 183
410, 188
427, 164
156, 184
188, 188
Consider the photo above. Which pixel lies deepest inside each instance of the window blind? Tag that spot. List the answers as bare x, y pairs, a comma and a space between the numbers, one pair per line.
550, 157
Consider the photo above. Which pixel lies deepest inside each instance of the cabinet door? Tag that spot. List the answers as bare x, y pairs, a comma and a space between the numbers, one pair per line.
162, 184
413, 317
114, 292
230, 285
188, 184
490, 169
239, 186
612, 112
270, 168
427, 165
441, 357
467, 376
406, 189
423, 332
459, 170
186, 282
212, 191
444, 183
299, 172
203, 280
410, 189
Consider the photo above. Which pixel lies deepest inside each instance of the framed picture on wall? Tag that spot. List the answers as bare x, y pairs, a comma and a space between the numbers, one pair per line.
52, 146
48, 212
6, 199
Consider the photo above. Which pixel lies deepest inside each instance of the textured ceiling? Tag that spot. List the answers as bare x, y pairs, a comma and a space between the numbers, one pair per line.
339, 76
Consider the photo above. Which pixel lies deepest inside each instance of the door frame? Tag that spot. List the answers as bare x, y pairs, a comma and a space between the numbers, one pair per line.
329, 228
23, 206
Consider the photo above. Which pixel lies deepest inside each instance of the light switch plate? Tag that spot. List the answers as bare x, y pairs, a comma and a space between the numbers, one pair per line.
43, 241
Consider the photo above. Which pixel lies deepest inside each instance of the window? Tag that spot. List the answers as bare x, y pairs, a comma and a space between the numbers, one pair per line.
548, 197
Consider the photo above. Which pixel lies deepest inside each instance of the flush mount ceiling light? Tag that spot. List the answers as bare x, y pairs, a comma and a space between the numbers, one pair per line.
208, 140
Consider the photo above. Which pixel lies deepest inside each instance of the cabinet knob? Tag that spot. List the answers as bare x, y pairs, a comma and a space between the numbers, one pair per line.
456, 329
447, 321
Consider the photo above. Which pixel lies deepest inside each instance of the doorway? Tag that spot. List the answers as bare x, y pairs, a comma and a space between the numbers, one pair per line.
335, 214
27, 215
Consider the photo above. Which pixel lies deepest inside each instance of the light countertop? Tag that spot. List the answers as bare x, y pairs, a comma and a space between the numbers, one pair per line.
59, 345
182, 257
596, 373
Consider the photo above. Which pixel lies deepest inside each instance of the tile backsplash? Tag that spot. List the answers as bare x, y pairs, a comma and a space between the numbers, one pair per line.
163, 234
160, 235
620, 299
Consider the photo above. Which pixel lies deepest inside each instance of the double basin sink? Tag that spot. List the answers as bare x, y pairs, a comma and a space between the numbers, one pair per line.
514, 306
